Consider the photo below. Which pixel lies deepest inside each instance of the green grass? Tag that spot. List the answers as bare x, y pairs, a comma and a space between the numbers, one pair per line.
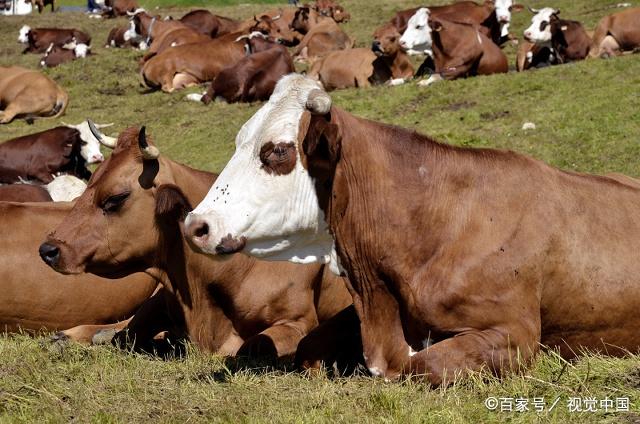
587, 117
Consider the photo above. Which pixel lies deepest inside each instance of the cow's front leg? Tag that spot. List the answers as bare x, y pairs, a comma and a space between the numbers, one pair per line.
94, 334
277, 341
495, 349
9, 113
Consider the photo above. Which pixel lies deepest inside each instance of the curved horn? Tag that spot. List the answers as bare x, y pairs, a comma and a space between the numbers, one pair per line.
318, 102
105, 140
99, 126
148, 152
72, 126
556, 11
532, 10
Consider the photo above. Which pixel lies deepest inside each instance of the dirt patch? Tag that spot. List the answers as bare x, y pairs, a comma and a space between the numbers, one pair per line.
460, 105
486, 116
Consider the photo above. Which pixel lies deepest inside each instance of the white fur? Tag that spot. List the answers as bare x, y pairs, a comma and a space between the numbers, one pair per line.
23, 34
90, 149
65, 188
434, 78
195, 97
278, 214
81, 50
396, 81
20, 7
533, 33
417, 36
503, 14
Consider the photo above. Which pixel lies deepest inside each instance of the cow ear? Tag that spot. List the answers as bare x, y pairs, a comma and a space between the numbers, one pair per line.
319, 141
171, 204
435, 25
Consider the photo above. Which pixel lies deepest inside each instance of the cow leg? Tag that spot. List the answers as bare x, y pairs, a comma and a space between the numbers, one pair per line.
609, 47
10, 112
183, 80
431, 80
275, 342
86, 333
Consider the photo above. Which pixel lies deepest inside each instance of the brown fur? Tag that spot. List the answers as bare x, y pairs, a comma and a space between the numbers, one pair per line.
623, 28
321, 35
41, 38
119, 8
57, 56
24, 193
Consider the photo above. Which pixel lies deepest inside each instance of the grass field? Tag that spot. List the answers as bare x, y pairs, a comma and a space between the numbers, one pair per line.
587, 118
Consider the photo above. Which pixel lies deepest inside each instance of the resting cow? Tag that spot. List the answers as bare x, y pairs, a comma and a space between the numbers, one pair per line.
122, 37
55, 55
567, 40
331, 9
35, 298
209, 24
24, 193
29, 94
617, 33
519, 254
38, 40
321, 35
242, 305
115, 8
39, 156
459, 50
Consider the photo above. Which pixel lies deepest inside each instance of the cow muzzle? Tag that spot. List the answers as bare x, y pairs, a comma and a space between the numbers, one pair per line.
199, 237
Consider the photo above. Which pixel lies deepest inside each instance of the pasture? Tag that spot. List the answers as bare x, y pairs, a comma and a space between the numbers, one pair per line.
587, 118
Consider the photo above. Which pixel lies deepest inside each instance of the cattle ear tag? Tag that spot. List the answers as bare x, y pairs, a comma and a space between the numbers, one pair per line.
564, 27
69, 145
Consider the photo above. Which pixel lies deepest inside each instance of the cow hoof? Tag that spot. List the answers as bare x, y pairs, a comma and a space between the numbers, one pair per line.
103, 337
60, 336
195, 97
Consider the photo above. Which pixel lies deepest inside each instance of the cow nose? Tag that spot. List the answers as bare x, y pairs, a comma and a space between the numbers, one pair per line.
197, 232
504, 19
403, 44
97, 158
527, 34
50, 254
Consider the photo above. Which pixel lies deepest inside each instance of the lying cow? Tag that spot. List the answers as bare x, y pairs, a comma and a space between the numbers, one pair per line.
459, 50
35, 298
38, 40
121, 37
192, 64
66, 149
617, 33
331, 9
209, 24
567, 40
29, 94
321, 35
533, 256
24, 193
142, 196
272, 27
55, 55
115, 8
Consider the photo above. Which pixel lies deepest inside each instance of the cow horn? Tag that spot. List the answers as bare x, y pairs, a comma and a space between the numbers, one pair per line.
105, 140
148, 152
532, 10
319, 102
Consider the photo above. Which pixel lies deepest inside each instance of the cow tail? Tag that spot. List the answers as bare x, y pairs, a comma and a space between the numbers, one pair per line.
62, 100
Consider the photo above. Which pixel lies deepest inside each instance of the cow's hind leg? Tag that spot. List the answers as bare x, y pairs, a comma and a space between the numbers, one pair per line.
89, 333
183, 80
10, 112
275, 342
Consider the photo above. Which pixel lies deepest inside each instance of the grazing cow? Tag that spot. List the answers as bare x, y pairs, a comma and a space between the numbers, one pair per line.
39, 156
519, 254
55, 55
567, 39
192, 64
254, 76
29, 94
36, 298
209, 24
115, 8
65, 188
24, 193
38, 40
331, 9
321, 35
617, 33
459, 50
242, 305
121, 37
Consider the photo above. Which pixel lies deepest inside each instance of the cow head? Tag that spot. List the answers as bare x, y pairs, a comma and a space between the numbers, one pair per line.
417, 36
386, 40
540, 30
268, 26
111, 230
331, 9
264, 203
504, 8
91, 139
23, 34
303, 19
139, 25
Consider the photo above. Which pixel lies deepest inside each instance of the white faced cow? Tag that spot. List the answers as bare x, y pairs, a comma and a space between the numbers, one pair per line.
417, 37
17, 7
90, 149
539, 32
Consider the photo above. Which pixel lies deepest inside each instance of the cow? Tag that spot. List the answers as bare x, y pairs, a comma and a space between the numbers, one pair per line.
459, 50
331, 9
35, 298
15, 7
321, 35
253, 77
40, 4
274, 27
115, 8
24, 193
121, 37
38, 40
519, 254
38, 156
567, 40
29, 94
139, 198
56, 55
384, 63
209, 24
192, 64
494, 17
617, 33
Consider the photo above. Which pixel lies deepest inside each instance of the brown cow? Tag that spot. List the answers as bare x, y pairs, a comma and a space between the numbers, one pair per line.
321, 35
24, 193
192, 64
140, 196
209, 24
38, 40
253, 77
568, 39
35, 298
115, 8
273, 28
121, 37
55, 55
40, 4
331, 9
518, 254
29, 94
617, 33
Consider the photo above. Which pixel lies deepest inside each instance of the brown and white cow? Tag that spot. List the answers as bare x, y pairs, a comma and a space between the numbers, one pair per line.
38, 40
63, 149
139, 199
28, 94
36, 298
617, 33
459, 50
458, 259
122, 37
321, 34
567, 39
55, 55
331, 9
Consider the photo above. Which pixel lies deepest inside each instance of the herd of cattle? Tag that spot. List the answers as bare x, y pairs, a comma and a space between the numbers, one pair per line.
483, 256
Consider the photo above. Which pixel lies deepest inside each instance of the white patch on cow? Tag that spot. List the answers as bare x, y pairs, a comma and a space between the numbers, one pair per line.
334, 263
195, 97
17, 7
174, 44
503, 15
396, 81
81, 50
411, 352
422, 171
113, 43
434, 78
375, 371
417, 36
43, 63
65, 188
23, 34
131, 32
279, 215
478, 37
540, 20
529, 56
90, 149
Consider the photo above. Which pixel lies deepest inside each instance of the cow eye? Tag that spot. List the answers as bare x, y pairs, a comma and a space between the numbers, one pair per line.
543, 25
419, 26
392, 39
114, 202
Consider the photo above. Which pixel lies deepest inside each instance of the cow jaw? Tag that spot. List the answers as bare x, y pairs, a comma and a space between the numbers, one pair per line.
268, 210
23, 35
417, 36
540, 30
